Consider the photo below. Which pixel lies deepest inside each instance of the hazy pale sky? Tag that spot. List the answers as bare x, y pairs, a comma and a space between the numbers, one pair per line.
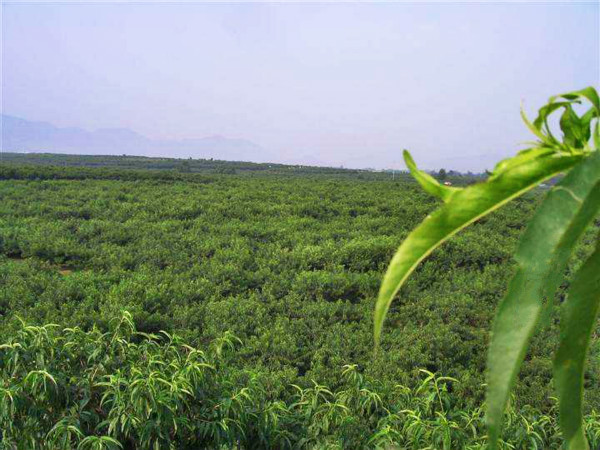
344, 84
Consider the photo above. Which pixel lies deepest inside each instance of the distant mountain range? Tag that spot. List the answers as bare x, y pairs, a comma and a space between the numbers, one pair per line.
20, 135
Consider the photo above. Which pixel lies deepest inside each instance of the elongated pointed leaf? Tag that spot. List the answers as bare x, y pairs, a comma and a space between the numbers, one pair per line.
535, 130
541, 121
427, 182
541, 257
463, 208
579, 317
522, 156
589, 92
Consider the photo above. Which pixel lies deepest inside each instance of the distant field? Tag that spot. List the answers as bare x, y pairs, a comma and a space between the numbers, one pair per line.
174, 164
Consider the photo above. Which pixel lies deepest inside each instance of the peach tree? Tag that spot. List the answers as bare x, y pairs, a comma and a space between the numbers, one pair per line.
550, 238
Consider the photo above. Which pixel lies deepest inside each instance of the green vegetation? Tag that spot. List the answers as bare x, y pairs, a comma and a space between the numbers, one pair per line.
264, 283
542, 255
67, 388
175, 165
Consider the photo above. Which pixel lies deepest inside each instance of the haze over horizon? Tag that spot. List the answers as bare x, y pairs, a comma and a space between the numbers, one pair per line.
335, 84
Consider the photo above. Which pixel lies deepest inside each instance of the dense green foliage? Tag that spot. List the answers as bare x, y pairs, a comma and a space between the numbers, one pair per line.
542, 255
176, 165
66, 389
291, 264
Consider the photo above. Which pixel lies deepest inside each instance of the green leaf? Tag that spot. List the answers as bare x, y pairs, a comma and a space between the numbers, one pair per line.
573, 128
541, 257
576, 130
541, 120
522, 156
427, 182
589, 93
535, 130
577, 324
463, 208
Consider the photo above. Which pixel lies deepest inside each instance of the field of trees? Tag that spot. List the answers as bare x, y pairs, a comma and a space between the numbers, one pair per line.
268, 278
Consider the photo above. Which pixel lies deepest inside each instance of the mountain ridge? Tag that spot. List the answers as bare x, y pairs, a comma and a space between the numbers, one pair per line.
22, 135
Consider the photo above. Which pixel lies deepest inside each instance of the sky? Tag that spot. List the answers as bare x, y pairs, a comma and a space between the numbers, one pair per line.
348, 84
